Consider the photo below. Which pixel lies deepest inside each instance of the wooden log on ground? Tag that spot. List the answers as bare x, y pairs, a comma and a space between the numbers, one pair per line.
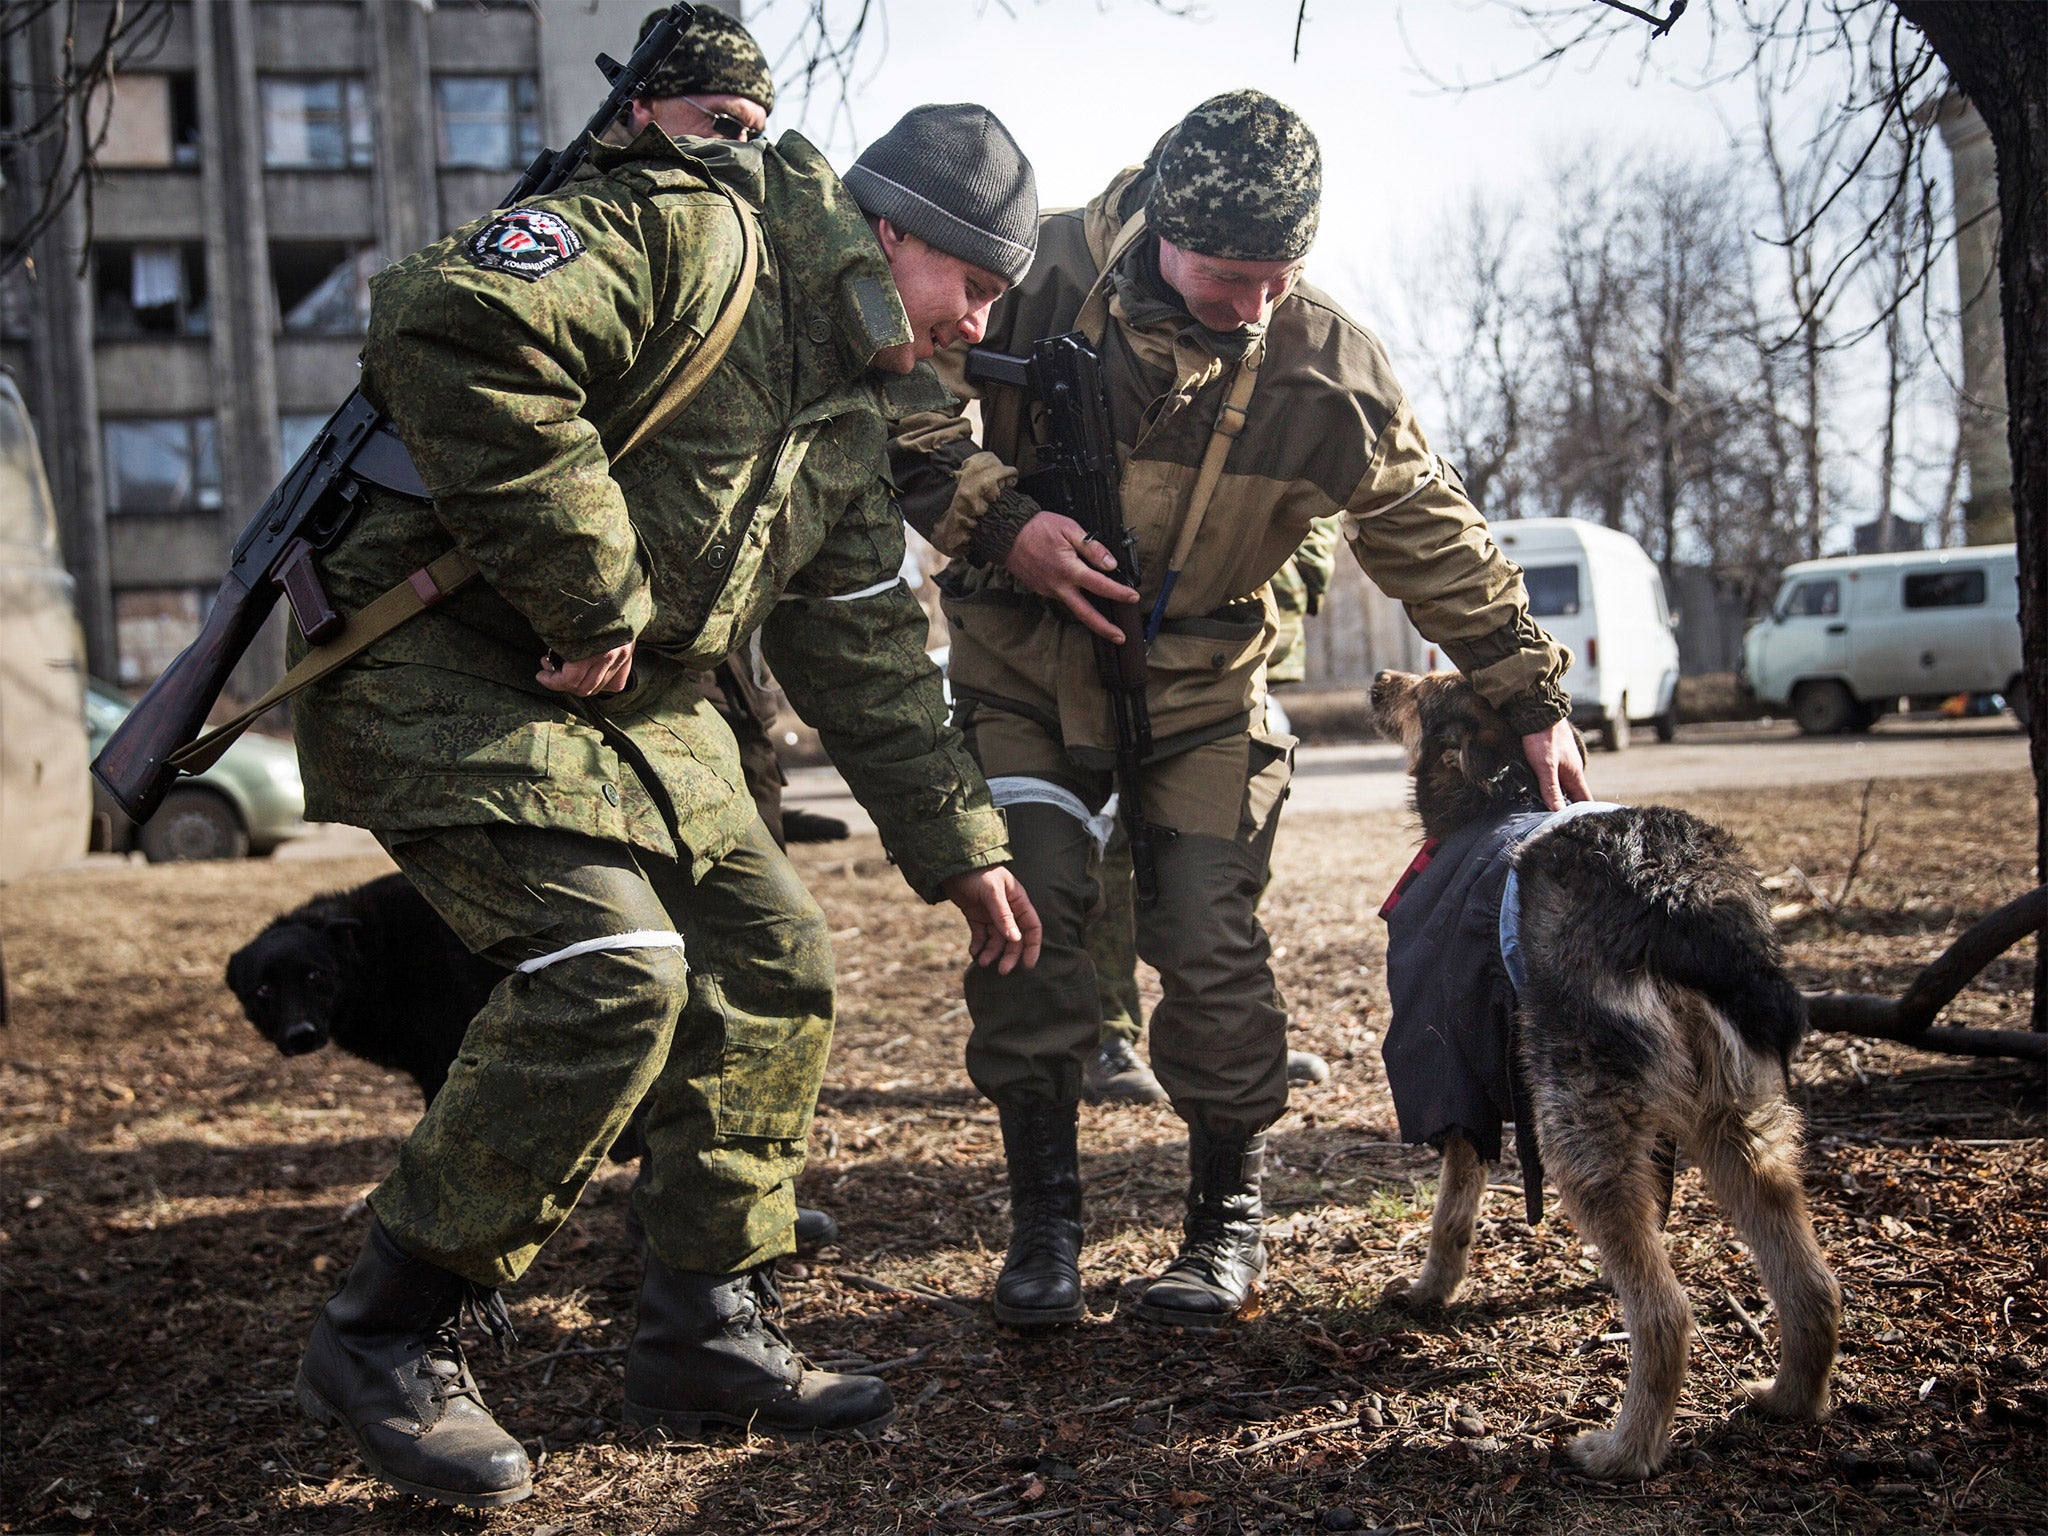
1910, 1018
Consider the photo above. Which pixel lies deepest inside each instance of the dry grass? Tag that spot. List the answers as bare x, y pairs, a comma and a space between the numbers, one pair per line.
178, 1201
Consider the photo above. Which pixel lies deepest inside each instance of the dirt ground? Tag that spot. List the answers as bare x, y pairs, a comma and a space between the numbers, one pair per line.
177, 1201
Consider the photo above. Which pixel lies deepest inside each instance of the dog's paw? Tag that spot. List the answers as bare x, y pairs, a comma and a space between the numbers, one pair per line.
1414, 1295
1780, 1399
1602, 1454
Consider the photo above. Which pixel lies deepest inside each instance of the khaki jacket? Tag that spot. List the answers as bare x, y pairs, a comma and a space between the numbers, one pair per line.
762, 506
1329, 433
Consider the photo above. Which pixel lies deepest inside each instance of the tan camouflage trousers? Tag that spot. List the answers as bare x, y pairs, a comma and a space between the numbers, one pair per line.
725, 1037
1219, 1034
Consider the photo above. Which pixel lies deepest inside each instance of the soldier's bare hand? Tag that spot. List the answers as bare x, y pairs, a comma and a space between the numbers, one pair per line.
1002, 926
1559, 764
1054, 557
606, 672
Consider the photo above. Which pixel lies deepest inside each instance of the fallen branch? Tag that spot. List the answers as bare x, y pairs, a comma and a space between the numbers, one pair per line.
1748, 1323
1289, 1436
1910, 1018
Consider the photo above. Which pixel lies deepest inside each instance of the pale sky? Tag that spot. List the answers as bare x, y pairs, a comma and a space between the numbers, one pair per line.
1088, 85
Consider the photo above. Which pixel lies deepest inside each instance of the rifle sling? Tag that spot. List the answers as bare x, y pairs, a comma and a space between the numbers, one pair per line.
426, 587
1230, 420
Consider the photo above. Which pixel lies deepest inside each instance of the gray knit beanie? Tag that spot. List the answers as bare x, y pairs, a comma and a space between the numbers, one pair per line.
953, 176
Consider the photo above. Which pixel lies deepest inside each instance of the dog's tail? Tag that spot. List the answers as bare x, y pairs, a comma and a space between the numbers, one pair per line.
1695, 917
1726, 964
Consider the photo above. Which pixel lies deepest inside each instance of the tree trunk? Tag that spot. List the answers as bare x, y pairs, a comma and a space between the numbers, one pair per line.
1998, 55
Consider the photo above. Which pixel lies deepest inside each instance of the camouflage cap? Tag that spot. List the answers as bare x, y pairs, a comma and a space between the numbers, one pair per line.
1240, 178
716, 57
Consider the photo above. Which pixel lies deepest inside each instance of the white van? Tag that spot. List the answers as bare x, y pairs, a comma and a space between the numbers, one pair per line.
1848, 638
1594, 589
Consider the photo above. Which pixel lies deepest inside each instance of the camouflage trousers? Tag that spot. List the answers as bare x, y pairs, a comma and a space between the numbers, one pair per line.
725, 1036
1111, 939
1219, 1034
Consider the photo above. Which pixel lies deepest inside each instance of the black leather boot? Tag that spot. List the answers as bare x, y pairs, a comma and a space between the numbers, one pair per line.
814, 1230
1222, 1256
385, 1363
1041, 1278
706, 1350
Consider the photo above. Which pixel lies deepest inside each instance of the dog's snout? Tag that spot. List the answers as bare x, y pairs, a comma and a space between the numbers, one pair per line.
297, 1039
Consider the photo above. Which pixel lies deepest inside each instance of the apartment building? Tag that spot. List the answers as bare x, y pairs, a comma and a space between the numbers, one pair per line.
185, 331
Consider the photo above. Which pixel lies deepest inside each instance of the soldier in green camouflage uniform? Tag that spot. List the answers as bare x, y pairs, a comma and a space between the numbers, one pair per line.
536, 755
1186, 273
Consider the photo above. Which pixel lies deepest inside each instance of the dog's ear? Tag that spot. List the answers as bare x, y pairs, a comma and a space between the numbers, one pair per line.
1485, 761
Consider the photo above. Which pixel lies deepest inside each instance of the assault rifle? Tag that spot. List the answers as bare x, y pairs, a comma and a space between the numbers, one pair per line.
1078, 477
313, 505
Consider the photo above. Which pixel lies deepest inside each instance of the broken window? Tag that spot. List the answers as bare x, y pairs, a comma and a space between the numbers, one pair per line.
488, 121
150, 120
149, 290
323, 286
319, 122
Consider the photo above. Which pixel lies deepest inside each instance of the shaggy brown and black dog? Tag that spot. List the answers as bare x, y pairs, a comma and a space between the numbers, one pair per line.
1649, 1007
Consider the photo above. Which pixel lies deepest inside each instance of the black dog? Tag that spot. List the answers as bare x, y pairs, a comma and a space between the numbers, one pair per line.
375, 970
379, 973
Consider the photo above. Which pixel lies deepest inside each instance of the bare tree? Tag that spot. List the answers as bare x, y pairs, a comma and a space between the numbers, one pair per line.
1470, 320
48, 136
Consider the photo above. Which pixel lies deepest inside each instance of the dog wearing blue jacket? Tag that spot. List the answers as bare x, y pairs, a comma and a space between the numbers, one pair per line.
1608, 980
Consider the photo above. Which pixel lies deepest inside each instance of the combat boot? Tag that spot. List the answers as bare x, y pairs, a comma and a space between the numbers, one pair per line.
1223, 1255
1115, 1075
385, 1363
1040, 1281
707, 1350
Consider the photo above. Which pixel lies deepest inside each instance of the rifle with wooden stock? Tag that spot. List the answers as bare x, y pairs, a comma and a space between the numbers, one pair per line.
312, 507
1078, 476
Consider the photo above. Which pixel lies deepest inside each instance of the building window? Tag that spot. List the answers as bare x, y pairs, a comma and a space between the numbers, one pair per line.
295, 433
162, 464
323, 287
318, 123
491, 122
1965, 588
151, 625
150, 120
149, 290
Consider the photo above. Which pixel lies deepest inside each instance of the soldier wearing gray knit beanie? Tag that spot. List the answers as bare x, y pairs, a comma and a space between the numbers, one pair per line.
955, 178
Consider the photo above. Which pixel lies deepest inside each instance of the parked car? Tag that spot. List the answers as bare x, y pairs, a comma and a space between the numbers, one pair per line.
44, 808
1596, 590
1848, 638
248, 803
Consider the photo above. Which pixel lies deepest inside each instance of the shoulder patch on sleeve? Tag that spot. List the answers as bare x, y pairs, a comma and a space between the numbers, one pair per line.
527, 242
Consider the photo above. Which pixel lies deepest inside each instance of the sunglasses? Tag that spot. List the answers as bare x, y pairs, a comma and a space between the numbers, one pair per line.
725, 126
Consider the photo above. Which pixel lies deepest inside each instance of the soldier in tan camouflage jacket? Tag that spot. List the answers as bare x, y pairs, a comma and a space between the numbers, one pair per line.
537, 756
1186, 272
